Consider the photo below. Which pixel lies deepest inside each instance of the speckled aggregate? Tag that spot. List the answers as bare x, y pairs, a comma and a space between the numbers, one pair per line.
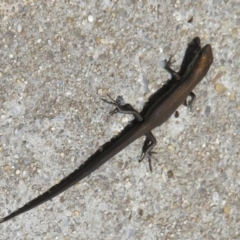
58, 58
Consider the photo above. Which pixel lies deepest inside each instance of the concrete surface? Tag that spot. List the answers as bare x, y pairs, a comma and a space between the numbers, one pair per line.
58, 58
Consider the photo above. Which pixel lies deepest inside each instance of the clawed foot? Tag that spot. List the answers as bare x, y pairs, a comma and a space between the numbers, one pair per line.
168, 63
147, 154
117, 103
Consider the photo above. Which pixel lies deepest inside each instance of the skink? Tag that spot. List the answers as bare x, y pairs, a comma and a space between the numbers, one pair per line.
160, 107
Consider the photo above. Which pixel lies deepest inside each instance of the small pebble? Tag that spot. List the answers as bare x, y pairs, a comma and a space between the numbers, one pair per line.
90, 18
76, 213
227, 210
6, 168
19, 28
171, 147
220, 88
100, 91
232, 96
40, 29
170, 174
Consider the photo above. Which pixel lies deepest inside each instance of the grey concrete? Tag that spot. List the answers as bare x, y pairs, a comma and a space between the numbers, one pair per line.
58, 58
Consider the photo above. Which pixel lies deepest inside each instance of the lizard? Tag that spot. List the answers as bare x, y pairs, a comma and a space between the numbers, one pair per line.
161, 105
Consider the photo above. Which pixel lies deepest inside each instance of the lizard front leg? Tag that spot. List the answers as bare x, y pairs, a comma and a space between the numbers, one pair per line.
123, 108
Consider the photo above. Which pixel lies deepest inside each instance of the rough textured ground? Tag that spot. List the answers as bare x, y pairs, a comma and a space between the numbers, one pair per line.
58, 58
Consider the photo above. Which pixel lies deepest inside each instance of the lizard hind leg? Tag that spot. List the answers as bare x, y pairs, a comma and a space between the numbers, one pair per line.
147, 147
